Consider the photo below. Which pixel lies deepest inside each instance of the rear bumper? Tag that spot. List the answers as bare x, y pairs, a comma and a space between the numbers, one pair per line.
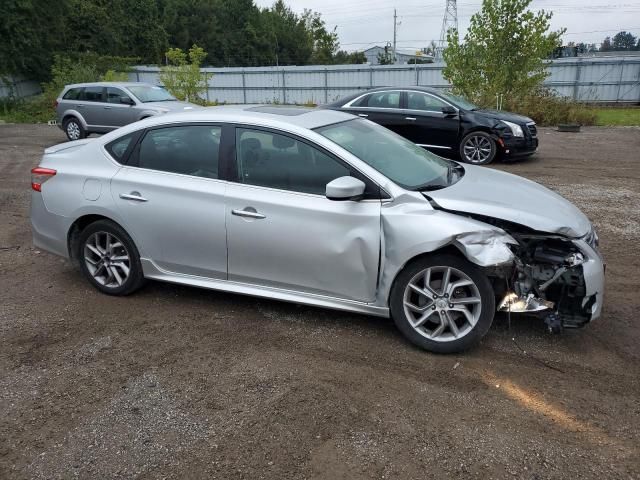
49, 230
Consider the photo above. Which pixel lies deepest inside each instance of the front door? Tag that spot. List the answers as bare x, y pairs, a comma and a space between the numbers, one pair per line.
283, 232
173, 202
114, 112
427, 125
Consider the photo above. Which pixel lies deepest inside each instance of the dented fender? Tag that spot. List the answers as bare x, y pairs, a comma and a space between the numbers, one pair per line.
413, 227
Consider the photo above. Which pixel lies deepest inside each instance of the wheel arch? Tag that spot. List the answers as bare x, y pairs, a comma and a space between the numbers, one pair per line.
73, 235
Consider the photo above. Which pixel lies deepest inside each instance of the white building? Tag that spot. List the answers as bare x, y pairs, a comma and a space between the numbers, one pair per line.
403, 55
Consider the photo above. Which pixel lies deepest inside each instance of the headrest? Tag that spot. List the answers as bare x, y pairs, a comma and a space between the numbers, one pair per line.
280, 141
250, 144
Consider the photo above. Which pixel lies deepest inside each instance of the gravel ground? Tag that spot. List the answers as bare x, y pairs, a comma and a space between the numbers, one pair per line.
177, 382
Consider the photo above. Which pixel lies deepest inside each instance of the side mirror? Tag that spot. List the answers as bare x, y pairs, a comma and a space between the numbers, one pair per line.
126, 100
345, 188
449, 110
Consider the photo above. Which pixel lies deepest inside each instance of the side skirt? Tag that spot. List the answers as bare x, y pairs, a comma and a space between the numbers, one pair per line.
152, 271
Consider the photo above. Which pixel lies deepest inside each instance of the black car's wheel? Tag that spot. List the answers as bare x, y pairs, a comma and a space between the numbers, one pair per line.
442, 303
478, 148
109, 259
73, 128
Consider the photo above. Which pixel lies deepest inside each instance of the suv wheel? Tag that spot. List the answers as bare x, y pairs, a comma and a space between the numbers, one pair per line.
442, 303
109, 259
73, 129
478, 148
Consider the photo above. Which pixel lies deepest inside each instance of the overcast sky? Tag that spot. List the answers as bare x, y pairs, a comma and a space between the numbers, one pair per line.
363, 23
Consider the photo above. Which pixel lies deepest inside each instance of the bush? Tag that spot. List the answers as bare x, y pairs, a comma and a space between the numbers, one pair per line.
182, 77
36, 109
547, 109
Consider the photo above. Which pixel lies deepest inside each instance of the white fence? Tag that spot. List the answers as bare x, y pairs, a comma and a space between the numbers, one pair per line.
588, 79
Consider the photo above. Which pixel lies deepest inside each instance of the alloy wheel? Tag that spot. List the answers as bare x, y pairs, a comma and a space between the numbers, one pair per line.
73, 130
442, 303
477, 149
107, 259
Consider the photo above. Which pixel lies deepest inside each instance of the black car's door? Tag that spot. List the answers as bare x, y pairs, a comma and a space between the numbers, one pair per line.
425, 123
383, 108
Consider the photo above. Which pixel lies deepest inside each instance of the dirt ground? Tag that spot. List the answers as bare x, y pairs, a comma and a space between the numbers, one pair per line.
177, 382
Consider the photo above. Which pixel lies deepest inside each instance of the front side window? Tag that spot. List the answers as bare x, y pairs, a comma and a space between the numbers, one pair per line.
278, 161
188, 150
149, 93
400, 160
91, 94
114, 94
384, 100
422, 101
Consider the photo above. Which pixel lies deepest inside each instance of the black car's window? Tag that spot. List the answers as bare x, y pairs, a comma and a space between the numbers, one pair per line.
384, 100
278, 161
422, 101
91, 94
118, 148
361, 102
72, 94
189, 150
114, 94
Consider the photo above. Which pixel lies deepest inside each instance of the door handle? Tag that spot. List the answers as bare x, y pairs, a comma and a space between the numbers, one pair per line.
411, 119
107, 108
363, 115
248, 213
135, 196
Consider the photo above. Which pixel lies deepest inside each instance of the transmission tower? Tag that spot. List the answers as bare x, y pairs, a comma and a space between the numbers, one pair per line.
449, 21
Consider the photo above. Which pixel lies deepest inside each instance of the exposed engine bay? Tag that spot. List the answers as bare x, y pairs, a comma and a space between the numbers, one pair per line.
545, 276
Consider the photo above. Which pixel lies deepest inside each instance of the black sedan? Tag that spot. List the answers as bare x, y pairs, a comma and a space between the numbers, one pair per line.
446, 124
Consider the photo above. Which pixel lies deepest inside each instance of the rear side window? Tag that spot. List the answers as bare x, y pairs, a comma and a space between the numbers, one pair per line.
91, 94
72, 94
120, 147
189, 150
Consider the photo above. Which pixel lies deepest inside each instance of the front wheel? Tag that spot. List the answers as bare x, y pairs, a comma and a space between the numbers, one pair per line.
478, 148
442, 303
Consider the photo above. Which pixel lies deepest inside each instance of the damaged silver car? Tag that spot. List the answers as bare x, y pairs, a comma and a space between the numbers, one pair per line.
322, 208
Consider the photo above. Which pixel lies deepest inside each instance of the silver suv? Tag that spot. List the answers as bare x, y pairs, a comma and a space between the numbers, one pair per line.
86, 108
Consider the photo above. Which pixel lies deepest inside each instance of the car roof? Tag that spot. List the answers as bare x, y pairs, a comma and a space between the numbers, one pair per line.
286, 117
109, 84
343, 100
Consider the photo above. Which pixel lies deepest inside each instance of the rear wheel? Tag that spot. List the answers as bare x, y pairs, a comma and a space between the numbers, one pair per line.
478, 148
109, 259
73, 128
442, 303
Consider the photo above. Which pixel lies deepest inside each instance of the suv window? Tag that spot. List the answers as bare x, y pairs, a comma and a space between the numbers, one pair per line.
91, 94
189, 150
422, 101
383, 100
279, 161
72, 94
114, 94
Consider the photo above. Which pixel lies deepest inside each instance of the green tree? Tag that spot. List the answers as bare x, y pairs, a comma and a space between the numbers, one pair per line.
182, 76
325, 42
346, 58
386, 57
503, 51
624, 41
606, 45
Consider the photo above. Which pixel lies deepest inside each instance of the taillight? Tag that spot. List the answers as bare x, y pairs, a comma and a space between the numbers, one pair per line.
40, 175
55, 104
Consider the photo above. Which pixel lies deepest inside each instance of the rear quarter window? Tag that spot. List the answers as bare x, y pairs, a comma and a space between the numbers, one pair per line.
72, 94
120, 148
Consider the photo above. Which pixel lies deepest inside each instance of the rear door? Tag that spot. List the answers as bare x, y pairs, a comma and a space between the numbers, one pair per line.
383, 108
282, 230
89, 104
426, 124
173, 202
114, 112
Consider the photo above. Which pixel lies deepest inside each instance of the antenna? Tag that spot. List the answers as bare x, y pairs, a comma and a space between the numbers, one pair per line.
449, 21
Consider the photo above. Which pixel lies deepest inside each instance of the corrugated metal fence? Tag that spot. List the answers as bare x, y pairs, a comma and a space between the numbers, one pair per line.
18, 87
608, 79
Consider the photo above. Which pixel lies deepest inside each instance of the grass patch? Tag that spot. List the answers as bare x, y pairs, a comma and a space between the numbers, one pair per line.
618, 116
36, 109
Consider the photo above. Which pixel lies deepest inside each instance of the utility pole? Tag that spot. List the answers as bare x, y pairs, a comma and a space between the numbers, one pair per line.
395, 31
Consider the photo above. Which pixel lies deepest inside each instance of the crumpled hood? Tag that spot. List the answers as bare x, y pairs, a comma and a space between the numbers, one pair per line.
501, 195
502, 115
173, 106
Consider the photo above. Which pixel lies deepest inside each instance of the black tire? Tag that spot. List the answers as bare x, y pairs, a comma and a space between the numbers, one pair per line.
73, 129
135, 278
486, 309
473, 148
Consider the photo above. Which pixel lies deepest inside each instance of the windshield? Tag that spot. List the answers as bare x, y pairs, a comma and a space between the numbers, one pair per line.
459, 101
398, 159
148, 93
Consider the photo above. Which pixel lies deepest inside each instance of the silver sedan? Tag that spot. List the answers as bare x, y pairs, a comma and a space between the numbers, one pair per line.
322, 208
